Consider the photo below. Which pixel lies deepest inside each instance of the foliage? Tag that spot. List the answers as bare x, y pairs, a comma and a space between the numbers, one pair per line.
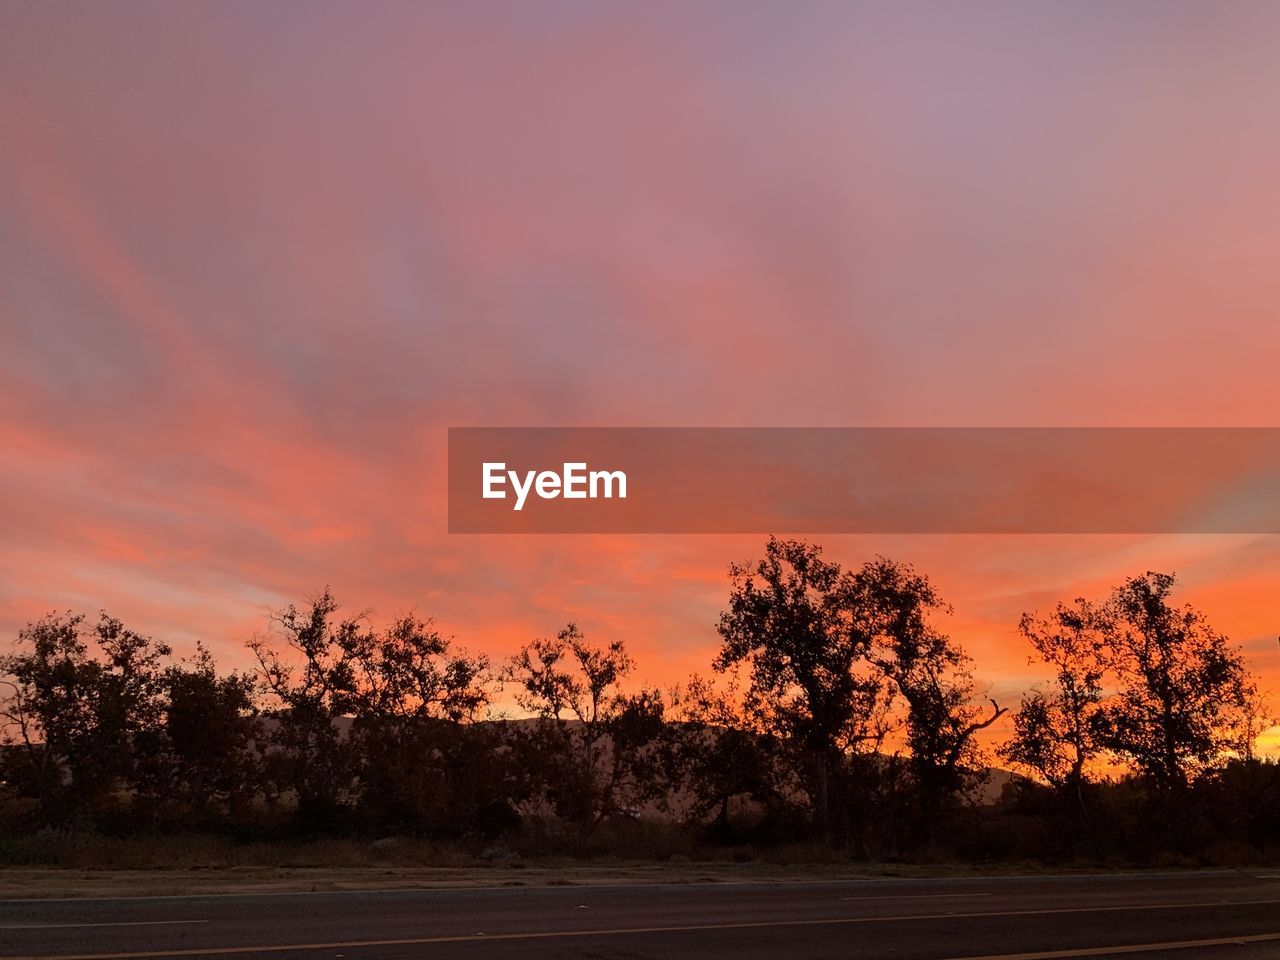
839, 713
591, 751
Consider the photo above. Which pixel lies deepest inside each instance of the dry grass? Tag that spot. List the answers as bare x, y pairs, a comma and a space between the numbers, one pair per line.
28, 882
60, 864
69, 865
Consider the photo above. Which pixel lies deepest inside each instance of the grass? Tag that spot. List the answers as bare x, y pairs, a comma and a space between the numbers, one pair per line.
57, 864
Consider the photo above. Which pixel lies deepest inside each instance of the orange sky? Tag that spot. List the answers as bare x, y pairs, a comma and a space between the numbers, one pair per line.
253, 264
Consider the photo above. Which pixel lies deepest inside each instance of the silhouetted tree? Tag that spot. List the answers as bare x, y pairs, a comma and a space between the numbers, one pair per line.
309, 754
933, 675
723, 758
213, 737
414, 743
1185, 695
596, 750
371, 720
1059, 732
92, 697
806, 630
387, 728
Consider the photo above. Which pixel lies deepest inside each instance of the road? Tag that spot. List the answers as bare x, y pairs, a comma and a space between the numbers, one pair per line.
1202, 916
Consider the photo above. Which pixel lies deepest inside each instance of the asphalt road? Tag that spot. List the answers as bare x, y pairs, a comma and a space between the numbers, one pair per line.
1202, 916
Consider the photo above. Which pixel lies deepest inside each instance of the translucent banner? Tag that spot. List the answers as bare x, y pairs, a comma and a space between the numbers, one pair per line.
864, 480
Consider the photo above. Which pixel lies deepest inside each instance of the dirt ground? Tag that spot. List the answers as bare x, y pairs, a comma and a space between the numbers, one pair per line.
59, 882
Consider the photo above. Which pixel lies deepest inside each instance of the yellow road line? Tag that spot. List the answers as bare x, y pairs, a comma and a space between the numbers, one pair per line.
626, 931
920, 896
109, 923
1130, 948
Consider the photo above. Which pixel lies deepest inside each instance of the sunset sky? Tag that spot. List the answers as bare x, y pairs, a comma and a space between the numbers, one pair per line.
254, 260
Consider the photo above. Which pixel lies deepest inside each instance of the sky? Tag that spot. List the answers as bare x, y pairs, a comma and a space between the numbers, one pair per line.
255, 259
